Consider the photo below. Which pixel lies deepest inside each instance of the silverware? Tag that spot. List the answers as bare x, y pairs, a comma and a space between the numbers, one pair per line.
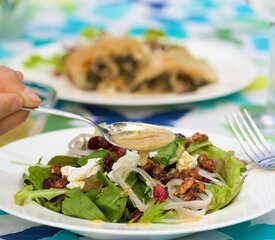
251, 139
133, 131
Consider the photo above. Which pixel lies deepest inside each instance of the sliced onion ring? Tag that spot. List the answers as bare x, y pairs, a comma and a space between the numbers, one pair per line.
76, 143
195, 204
214, 177
120, 175
171, 185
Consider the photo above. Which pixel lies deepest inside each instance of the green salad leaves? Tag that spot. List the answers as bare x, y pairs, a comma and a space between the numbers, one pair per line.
128, 192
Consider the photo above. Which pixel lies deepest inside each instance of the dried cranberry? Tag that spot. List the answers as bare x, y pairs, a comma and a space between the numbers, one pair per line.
57, 199
136, 215
54, 182
118, 151
163, 177
205, 180
160, 193
108, 162
98, 142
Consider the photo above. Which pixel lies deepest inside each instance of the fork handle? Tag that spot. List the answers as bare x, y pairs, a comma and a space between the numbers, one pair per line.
62, 114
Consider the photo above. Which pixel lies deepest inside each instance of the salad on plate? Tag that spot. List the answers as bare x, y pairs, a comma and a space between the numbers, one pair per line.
95, 180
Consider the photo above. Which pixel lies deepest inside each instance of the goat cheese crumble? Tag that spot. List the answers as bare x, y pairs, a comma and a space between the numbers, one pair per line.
186, 161
76, 175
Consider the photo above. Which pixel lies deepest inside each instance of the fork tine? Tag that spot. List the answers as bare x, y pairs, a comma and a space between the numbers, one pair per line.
268, 162
246, 137
264, 142
253, 135
245, 146
251, 139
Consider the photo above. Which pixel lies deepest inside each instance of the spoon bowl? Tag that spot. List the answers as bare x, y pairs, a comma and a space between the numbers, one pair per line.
129, 135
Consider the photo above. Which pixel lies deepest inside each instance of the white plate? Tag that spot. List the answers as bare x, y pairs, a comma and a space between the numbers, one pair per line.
234, 69
256, 198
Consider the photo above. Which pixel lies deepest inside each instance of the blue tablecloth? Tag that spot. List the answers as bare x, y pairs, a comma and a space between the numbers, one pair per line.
231, 21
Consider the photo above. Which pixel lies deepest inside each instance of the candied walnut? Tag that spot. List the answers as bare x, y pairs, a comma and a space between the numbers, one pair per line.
192, 193
148, 166
206, 163
153, 169
197, 137
55, 183
199, 187
157, 170
193, 173
189, 189
166, 177
190, 196
56, 168
184, 186
175, 174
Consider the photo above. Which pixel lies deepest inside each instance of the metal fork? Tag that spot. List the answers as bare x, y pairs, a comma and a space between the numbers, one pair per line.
251, 139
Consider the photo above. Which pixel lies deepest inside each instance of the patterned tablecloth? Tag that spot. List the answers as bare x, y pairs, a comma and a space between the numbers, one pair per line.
231, 21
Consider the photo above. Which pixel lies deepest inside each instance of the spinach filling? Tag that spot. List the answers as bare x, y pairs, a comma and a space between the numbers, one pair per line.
127, 66
97, 73
161, 83
188, 84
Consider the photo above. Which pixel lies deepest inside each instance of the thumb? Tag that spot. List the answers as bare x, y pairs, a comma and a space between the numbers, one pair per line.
30, 98
12, 82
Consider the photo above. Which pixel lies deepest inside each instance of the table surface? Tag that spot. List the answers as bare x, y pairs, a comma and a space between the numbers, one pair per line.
232, 21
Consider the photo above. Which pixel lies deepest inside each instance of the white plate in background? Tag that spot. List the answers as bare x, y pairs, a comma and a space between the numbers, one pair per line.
234, 69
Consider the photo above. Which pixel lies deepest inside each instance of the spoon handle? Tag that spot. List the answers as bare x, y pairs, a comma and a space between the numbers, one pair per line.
63, 114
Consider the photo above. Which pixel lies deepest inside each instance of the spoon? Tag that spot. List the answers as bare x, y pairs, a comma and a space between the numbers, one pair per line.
129, 135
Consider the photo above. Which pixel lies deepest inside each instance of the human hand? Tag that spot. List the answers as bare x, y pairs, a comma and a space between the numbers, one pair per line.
14, 95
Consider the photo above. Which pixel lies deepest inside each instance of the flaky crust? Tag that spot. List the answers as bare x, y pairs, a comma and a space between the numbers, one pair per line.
82, 59
175, 61
147, 64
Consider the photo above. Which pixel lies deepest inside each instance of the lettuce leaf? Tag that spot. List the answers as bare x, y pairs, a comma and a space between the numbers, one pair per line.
110, 199
98, 154
167, 152
52, 206
155, 213
195, 146
139, 186
64, 160
77, 204
27, 192
91, 32
55, 61
231, 169
222, 195
153, 35
38, 174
